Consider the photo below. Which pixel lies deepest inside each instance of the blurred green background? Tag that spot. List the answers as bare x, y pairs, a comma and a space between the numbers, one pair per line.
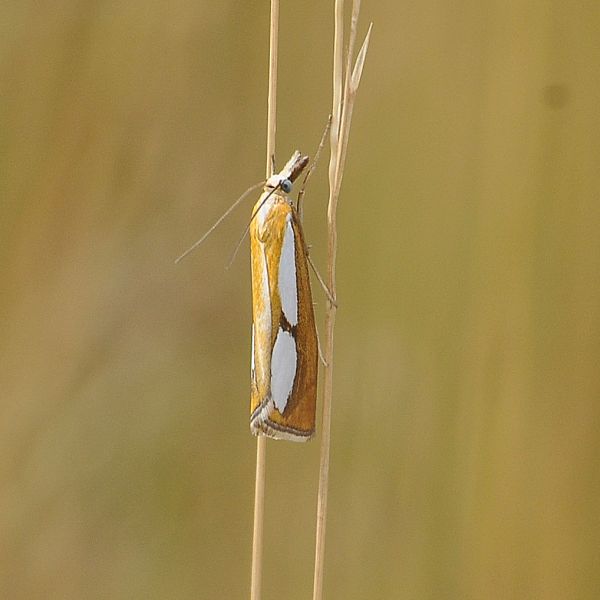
467, 379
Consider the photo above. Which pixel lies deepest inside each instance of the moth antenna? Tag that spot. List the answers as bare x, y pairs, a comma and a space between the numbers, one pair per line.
250, 223
312, 166
225, 214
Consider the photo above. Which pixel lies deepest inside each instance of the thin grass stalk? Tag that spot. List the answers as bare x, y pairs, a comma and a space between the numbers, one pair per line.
272, 94
343, 101
261, 441
321, 525
259, 512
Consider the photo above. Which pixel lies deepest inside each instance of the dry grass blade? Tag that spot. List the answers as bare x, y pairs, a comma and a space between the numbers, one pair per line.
360, 62
352, 83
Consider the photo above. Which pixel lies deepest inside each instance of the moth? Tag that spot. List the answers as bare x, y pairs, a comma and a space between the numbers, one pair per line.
284, 357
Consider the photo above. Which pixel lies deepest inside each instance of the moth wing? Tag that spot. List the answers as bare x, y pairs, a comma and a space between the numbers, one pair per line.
284, 347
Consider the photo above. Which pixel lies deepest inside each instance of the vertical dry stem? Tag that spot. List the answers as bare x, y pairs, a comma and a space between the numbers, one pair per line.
261, 442
259, 510
344, 94
272, 98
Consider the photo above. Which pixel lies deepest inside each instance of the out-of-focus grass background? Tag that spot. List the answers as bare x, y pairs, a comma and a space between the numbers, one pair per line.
466, 433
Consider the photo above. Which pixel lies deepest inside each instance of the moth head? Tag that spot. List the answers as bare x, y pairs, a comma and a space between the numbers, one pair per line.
290, 172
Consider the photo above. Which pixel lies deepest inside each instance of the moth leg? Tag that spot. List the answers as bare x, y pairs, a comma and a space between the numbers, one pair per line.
321, 356
321, 281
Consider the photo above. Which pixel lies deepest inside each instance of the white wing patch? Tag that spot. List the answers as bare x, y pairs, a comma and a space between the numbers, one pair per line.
283, 369
288, 291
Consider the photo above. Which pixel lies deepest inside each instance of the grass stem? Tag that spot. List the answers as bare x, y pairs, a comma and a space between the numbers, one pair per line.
345, 87
261, 442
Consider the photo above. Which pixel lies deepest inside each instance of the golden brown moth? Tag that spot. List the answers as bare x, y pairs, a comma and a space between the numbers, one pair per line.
284, 340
